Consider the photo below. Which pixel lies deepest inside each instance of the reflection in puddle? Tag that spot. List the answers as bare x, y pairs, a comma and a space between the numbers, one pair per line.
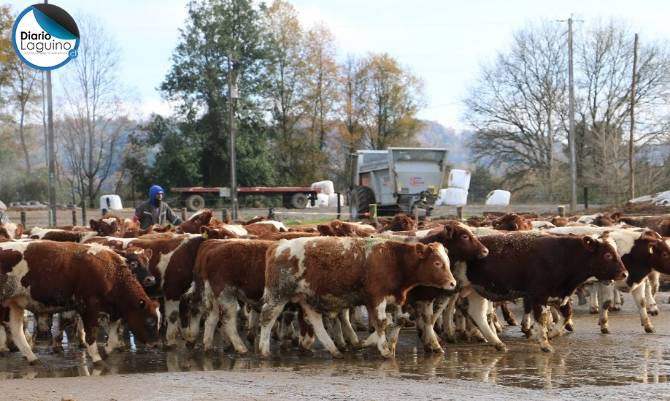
579, 360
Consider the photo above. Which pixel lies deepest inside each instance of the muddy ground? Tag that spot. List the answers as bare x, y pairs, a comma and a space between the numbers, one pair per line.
627, 364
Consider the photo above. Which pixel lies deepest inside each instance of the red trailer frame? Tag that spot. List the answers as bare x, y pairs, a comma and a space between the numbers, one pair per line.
293, 197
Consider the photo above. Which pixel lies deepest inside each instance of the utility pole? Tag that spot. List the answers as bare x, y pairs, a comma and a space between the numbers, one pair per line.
232, 96
571, 133
52, 155
631, 138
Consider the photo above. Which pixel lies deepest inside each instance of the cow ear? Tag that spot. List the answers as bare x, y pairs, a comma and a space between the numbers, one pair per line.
204, 231
590, 244
142, 304
652, 249
449, 231
93, 224
148, 253
422, 250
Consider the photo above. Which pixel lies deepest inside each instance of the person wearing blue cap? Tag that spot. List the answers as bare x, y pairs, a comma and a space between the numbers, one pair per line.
155, 211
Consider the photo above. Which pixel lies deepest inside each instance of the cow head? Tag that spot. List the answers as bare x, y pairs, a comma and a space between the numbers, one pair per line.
143, 319
432, 266
105, 227
559, 221
512, 222
138, 262
459, 241
603, 220
604, 261
652, 246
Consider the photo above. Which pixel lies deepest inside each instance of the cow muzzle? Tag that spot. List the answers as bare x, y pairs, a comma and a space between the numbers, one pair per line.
484, 253
622, 275
149, 281
450, 285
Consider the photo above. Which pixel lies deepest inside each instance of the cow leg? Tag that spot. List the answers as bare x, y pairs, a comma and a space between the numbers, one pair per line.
285, 329
377, 315
557, 324
3, 340
334, 329
172, 321
493, 316
507, 314
229, 320
114, 337
57, 334
593, 298
90, 318
252, 325
526, 322
478, 308
567, 311
305, 330
638, 296
604, 293
18, 335
425, 327
539, 329
358, 319
652, 308
348, 330
211, 323
316, 321
449, 325
269, 313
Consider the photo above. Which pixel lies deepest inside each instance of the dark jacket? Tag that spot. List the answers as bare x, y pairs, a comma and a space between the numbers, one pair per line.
149, 215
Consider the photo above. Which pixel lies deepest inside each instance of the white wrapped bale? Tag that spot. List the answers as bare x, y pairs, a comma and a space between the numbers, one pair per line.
455, 197
498, 197
459, 179
327, 187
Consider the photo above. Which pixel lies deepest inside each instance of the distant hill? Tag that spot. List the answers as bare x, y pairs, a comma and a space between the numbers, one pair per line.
435, 134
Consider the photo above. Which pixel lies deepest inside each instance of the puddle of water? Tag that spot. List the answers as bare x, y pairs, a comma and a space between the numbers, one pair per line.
584, 358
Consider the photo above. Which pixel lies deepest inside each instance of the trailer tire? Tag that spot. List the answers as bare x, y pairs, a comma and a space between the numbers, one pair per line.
360, 199
195, 202
299, 201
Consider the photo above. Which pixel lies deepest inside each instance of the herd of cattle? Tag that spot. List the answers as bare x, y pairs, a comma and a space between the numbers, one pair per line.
297, 285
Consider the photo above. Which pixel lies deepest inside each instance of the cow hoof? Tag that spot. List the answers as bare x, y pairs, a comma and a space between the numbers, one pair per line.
433, 349
593, 310
104, 353
337, 355
653, 312
547, 348
569, 327
605, 330
649, 329
190, 344
58, 349
501, 347
512, 322
99, 364
616, 308
36, 362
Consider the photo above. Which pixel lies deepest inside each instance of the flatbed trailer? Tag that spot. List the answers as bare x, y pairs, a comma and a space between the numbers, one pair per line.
195, 198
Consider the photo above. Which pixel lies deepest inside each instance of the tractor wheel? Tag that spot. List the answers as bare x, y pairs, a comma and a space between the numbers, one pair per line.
360, 199
299, 201
195, 202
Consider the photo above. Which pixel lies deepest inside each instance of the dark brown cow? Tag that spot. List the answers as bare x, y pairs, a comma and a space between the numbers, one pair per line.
227, 271
337, 228
537, 268
512, 222
171, 264
51, 276
660, 224
109, 225
333, 274
193, 224
429, 302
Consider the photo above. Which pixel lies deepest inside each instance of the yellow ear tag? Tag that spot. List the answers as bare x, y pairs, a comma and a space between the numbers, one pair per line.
651, 250
204, 235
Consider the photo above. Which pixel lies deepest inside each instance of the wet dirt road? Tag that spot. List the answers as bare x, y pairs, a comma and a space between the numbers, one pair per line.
586, 365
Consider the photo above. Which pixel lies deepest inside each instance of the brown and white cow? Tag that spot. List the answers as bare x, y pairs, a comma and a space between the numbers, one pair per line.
50, 276
326, 274
60, 235
337, 228
512, 222
429, 302
536, 267
197, 220
171, 264
11, 231
642, 252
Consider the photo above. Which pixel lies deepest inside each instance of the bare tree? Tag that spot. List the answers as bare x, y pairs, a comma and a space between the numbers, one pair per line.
24, 94
93, 125
518, 107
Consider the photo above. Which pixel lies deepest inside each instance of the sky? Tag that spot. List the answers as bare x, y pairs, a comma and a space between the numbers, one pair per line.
443, 42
